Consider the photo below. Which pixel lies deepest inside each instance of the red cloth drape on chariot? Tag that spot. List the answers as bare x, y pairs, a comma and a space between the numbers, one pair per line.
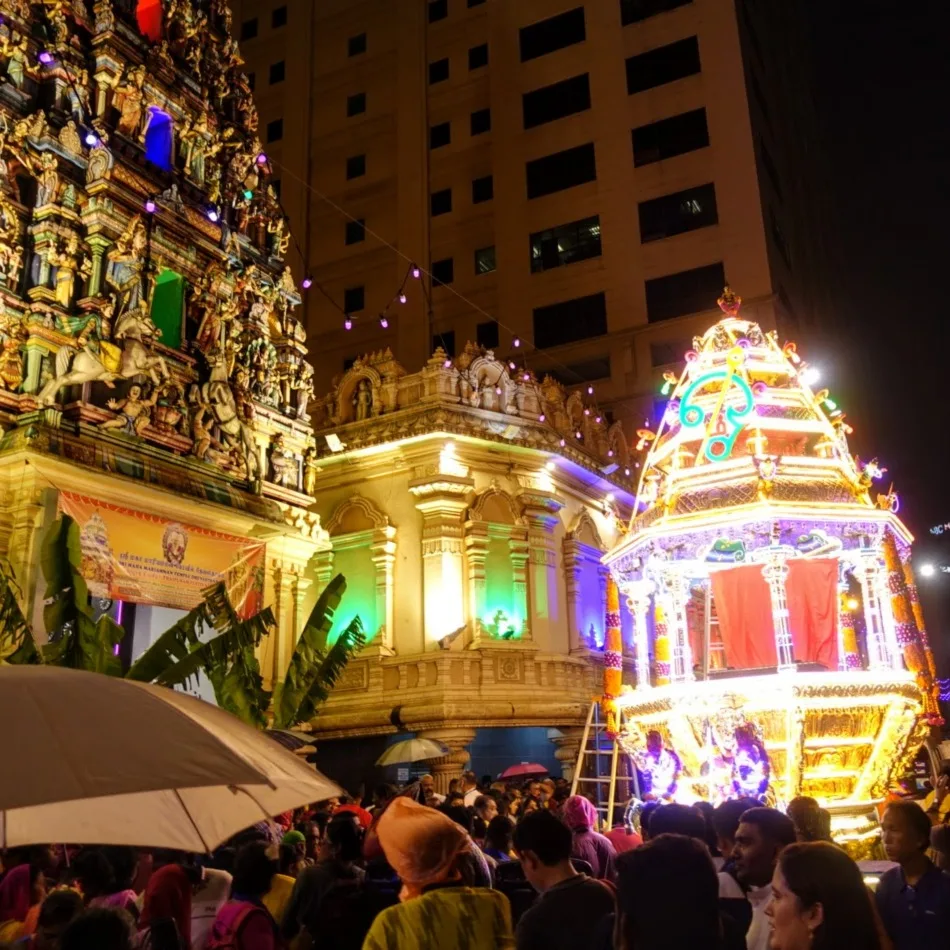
811, 590
744, 609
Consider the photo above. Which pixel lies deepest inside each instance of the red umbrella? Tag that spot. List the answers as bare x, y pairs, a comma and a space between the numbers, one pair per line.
523, 770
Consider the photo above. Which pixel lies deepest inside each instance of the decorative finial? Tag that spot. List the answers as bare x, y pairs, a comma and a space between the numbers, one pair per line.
729, 303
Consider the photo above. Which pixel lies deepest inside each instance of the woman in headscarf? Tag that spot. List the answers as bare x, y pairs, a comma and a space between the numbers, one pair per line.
596, 849
21, 893
167, 899
437, 910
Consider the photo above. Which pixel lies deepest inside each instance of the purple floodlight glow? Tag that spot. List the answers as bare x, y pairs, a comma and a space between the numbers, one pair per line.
45, 57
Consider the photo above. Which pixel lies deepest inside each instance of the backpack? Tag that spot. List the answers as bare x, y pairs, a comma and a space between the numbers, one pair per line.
227, 925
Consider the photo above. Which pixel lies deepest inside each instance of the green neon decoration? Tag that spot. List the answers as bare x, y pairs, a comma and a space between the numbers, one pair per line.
692, 416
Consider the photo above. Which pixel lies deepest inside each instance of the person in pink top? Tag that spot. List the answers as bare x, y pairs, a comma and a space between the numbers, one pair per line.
589, 845
244, 923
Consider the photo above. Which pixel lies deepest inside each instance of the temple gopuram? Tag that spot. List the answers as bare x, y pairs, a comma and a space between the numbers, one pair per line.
153, 374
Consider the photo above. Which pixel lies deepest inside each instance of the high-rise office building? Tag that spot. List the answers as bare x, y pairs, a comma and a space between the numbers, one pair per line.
584, 176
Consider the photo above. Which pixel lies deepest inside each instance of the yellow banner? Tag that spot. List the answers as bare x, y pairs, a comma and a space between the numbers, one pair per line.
129, 555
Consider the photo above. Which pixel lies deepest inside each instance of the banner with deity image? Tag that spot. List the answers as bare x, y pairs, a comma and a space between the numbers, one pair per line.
132, 556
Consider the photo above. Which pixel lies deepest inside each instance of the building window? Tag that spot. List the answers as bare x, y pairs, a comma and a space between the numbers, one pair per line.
689, 291
440, 135
443, 272
251, 81
570, 320
276, 73
486, 334
248, 29
670, 137
565, 244
354, 299
355, 166
278, 18
446, 340
664, 354
440, 202
355, 231
633, 11
356, 104
356, 45
485, 260
481, 121
566, 169
483, 189
662, 65
275, 130
438, 10
438, 71
552, 34
478, 56
673, 214
555, 101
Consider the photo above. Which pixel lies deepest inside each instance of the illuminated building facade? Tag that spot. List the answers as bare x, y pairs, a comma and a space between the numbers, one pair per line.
469, 508
778, 644
153, 374
582, 173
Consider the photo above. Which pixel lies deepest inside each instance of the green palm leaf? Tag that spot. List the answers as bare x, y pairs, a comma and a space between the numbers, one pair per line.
174, 645
16, 638
308, 654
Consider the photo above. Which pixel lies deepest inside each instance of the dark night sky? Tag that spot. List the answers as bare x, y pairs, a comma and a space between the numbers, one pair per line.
883, 85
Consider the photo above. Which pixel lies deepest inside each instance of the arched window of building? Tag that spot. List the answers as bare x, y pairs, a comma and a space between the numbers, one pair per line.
168, 306
159, 139
148, 14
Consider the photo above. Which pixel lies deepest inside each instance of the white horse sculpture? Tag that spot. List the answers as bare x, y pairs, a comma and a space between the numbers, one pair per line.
75, 366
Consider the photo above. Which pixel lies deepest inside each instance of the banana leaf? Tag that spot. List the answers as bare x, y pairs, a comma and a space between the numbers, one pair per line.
308, 654
239, 688
350, 642
83, 642
16, 638
174, 645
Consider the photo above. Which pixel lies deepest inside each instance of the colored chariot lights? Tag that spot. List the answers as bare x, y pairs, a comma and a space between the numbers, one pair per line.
261, 158
927, 570
213, 214
811, 375
45, 57
248, 194
347, 323
587, 412
307, 283
578, 434
402, 298
91, 139
384, 321
516, 342
150, 206
415, 271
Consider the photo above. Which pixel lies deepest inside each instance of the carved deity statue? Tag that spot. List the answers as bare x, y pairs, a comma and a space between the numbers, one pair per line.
130, 100
310, 470
12, 335
303, 387
198, 145
363, 400
48, 181
125, 263
283, 464
16, 52
67, 262
134, 411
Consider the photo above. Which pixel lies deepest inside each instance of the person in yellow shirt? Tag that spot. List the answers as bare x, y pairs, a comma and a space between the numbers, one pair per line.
423, 846
937, 802
282, 885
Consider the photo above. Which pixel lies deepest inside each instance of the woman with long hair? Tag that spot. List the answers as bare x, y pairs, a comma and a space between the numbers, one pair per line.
820, 902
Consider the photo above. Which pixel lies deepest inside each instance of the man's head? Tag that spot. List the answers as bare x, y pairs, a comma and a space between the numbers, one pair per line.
760, 837
905, 832
533, 789
654, 742
454, 785
56, 913
254, 869
543, 843
468, 781
677, 820
104, 928
427, 784
343, 841
486, 808
546, 790
726, 820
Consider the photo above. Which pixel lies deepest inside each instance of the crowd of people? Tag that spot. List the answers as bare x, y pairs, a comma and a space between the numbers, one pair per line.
495, 866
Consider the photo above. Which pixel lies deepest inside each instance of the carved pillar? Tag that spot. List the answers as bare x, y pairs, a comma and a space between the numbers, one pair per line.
881, 642
775, 571
447, 767
300, 587
680, 657
639, 603
518, 548
99, 244
568, 743
476, 553
384, 559
278, 650
541, 513
323, 568
576, 556
441, 502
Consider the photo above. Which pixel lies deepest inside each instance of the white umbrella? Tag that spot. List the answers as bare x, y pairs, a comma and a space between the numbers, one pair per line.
92, 759
412, 750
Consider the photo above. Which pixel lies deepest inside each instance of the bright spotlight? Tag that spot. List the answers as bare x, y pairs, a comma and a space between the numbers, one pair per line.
927, 570
811, 375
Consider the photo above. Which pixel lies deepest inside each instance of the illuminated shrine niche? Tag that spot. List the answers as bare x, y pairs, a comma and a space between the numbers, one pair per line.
364, 550
148, 15
159, 138
168, 307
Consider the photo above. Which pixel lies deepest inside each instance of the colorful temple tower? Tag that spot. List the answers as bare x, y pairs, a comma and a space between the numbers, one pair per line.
778, 649
153, 373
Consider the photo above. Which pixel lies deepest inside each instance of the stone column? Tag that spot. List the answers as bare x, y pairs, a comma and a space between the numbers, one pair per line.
541, 513
518, 548
284, 606
450, 766
442, 501
323, 568
476, 553
299, 593
576, 554
568, 743
99, 244
384, 559
681, 656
